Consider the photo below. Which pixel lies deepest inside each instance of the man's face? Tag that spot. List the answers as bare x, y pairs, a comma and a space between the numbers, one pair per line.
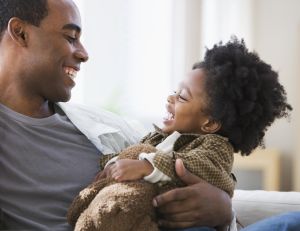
54, 53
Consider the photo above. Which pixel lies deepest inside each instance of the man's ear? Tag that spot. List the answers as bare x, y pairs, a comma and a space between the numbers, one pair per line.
17, 31
211, 126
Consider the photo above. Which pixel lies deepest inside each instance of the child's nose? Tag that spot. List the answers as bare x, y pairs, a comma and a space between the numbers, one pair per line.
170, 99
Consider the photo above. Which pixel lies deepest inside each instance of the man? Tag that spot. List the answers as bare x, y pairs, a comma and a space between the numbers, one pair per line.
46, 159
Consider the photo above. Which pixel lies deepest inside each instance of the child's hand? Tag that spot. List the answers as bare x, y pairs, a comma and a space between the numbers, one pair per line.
126, 169
103, 174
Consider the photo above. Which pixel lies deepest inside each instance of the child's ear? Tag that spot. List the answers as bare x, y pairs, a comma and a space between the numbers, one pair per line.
211, 126
17, 31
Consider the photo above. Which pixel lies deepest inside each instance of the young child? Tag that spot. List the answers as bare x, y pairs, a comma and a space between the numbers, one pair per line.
223, 106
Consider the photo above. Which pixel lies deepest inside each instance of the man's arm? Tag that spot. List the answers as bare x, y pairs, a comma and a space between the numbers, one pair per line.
197, 204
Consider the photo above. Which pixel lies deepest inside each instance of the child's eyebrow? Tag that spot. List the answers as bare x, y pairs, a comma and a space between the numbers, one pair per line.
185, 87
181, 85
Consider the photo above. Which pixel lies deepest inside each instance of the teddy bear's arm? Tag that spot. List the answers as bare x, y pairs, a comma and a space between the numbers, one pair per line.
83, 199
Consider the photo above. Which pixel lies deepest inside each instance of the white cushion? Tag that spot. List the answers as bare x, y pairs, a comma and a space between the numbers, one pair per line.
255, 205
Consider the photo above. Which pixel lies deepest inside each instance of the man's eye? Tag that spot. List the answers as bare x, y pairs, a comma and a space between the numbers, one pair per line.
70, 39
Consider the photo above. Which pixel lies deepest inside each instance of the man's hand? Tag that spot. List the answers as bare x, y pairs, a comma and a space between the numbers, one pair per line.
126, 169
197, 204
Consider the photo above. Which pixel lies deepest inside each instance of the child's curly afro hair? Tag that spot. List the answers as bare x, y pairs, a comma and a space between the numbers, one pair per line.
244, 94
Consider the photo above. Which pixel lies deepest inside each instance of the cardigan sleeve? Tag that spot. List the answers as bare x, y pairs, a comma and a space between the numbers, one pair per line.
105, 158
211, 160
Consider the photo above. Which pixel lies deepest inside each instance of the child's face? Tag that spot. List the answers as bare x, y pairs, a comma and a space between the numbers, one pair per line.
186, 107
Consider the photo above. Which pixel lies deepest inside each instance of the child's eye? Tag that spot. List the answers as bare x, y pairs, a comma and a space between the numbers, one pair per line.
182, 98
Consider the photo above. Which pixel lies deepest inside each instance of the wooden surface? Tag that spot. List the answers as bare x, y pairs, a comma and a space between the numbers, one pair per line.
297, 173
265, 160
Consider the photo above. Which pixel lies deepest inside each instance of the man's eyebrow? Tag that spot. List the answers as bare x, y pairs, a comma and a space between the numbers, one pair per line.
72, 26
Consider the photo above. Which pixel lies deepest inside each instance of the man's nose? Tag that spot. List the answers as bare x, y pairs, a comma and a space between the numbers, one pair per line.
82, 54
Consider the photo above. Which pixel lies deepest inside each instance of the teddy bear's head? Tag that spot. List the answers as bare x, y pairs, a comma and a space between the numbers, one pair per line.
133, 151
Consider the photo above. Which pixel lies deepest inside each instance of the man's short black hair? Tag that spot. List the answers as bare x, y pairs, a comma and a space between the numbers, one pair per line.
31, 11
243, 94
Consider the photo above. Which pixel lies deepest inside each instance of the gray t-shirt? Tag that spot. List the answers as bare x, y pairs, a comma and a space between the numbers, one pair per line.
44, 163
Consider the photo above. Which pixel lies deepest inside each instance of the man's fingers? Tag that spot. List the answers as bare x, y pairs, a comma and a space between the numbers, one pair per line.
188, 215
187, 177
177, 194
175, 224
170, 208
176, 207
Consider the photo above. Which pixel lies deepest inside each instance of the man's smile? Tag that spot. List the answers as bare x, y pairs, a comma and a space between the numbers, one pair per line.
71, 72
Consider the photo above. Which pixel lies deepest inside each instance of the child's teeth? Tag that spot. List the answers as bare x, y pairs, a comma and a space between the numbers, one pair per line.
169, 116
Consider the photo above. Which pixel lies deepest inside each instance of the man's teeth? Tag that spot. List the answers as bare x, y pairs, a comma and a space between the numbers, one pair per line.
72, 73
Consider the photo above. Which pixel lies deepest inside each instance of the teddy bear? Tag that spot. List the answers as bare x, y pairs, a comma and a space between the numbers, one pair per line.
113, 206
109, 205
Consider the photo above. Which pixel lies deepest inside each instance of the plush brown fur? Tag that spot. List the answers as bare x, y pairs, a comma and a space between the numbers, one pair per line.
107, 205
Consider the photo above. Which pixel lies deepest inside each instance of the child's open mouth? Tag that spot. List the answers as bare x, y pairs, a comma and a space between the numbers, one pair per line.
170, 116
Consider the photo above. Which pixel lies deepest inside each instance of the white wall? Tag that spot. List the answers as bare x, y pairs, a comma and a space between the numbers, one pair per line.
277, 40
272, 28
130, 48
140, 49
223, 18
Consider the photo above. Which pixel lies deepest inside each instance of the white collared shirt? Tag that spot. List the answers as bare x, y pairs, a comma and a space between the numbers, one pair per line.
109, 132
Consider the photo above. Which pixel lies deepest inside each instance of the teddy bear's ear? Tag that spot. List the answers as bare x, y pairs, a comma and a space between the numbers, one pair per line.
133, 152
